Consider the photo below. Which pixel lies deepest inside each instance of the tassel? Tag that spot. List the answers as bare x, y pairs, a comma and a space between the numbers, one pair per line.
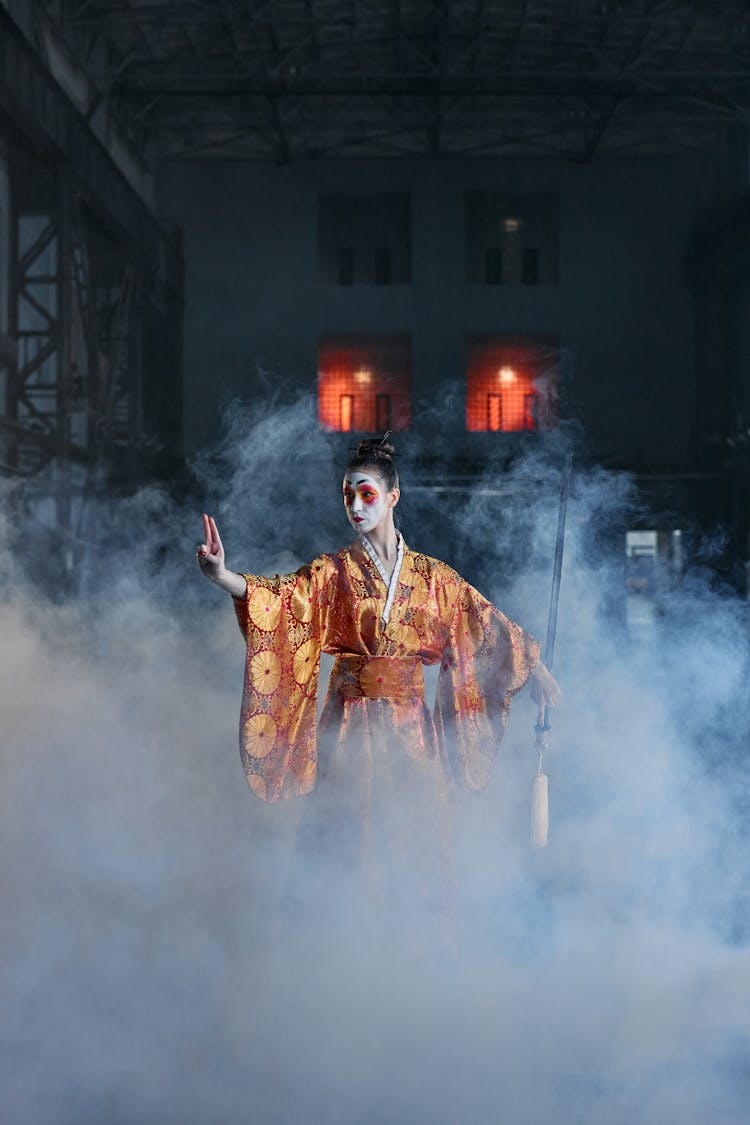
540, 788
540, 810
540, 791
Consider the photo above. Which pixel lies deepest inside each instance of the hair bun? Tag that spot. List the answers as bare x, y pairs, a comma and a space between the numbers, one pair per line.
377, 454
377, 447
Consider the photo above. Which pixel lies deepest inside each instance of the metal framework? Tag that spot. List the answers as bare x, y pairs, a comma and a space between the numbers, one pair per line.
91, 276
281, 79
92, 352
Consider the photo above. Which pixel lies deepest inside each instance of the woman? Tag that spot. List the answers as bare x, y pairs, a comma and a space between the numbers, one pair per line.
380, 763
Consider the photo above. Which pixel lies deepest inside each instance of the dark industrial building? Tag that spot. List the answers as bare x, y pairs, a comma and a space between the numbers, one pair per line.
539, 207
236, 238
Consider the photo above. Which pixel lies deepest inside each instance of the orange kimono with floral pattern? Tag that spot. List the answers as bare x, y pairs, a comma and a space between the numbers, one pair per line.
380, 762
334, 605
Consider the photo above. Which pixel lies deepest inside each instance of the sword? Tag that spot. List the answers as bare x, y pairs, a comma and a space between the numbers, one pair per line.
540, 790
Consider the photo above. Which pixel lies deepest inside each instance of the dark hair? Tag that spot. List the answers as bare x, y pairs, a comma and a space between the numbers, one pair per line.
377, 454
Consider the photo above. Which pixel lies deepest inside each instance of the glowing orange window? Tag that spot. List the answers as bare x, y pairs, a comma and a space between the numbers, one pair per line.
512, 383
364, 383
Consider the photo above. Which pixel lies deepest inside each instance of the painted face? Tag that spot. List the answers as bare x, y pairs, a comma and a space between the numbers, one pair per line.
365, 500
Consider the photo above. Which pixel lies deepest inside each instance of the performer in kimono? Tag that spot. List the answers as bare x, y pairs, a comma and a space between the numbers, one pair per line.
380, 764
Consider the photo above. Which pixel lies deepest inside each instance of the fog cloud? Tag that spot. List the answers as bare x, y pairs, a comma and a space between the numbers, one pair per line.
148, 975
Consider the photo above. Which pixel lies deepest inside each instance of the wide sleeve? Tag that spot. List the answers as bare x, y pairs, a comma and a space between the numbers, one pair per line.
487, 659
279, 619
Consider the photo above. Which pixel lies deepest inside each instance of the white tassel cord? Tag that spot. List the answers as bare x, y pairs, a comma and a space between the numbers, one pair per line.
540, 811
540, 788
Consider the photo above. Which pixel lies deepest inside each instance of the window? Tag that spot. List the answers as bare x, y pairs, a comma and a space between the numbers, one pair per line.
346, 265
512, 383
530, 266
382, 412
654, 562
364, 239
511, 239
493, 265
346, 413
364, 383
382, 266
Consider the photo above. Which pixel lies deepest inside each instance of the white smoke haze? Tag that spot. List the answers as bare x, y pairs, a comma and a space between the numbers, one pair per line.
148, 973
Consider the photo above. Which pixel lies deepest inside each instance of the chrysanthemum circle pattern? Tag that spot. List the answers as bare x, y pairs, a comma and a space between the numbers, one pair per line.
264, 609
304, 661
259, 735
265, 672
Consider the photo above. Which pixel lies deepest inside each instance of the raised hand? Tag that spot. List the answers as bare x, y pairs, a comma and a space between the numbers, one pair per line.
211, 561
211, 553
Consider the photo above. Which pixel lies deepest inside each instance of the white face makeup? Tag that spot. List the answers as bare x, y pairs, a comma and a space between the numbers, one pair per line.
365, 500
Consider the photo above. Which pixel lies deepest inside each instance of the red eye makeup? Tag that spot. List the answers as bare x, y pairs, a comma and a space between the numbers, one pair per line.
367, 494
364, 501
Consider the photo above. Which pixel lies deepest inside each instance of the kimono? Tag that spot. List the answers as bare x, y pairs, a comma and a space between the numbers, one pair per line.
380, 763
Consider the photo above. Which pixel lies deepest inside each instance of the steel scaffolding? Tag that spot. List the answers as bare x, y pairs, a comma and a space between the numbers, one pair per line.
93, 350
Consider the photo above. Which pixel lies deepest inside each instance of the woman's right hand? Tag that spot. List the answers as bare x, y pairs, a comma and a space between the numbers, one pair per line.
211, 562
211, 553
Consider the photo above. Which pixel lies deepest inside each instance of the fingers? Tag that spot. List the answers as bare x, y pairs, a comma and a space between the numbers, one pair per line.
204, 550
213, 547
216, 543
211, 535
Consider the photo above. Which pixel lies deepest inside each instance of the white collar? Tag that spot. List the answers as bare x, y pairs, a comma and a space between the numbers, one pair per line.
391, 584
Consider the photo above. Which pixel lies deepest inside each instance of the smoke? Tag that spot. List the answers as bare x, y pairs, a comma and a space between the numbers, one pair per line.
148, 973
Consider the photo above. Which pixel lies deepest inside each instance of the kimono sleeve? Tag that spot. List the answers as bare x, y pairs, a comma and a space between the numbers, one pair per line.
279, 620
488, 658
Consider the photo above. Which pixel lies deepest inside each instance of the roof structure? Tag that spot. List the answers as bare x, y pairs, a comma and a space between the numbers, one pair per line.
288, 79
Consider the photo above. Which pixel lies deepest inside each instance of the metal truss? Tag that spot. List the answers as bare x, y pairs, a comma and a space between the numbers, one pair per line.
72, 393
82, 412
92, 355
280, 79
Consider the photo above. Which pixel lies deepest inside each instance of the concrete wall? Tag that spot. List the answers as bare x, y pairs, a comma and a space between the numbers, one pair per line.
621, 308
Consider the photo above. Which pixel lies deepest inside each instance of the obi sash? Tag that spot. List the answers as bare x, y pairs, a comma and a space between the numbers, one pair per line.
377, 677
